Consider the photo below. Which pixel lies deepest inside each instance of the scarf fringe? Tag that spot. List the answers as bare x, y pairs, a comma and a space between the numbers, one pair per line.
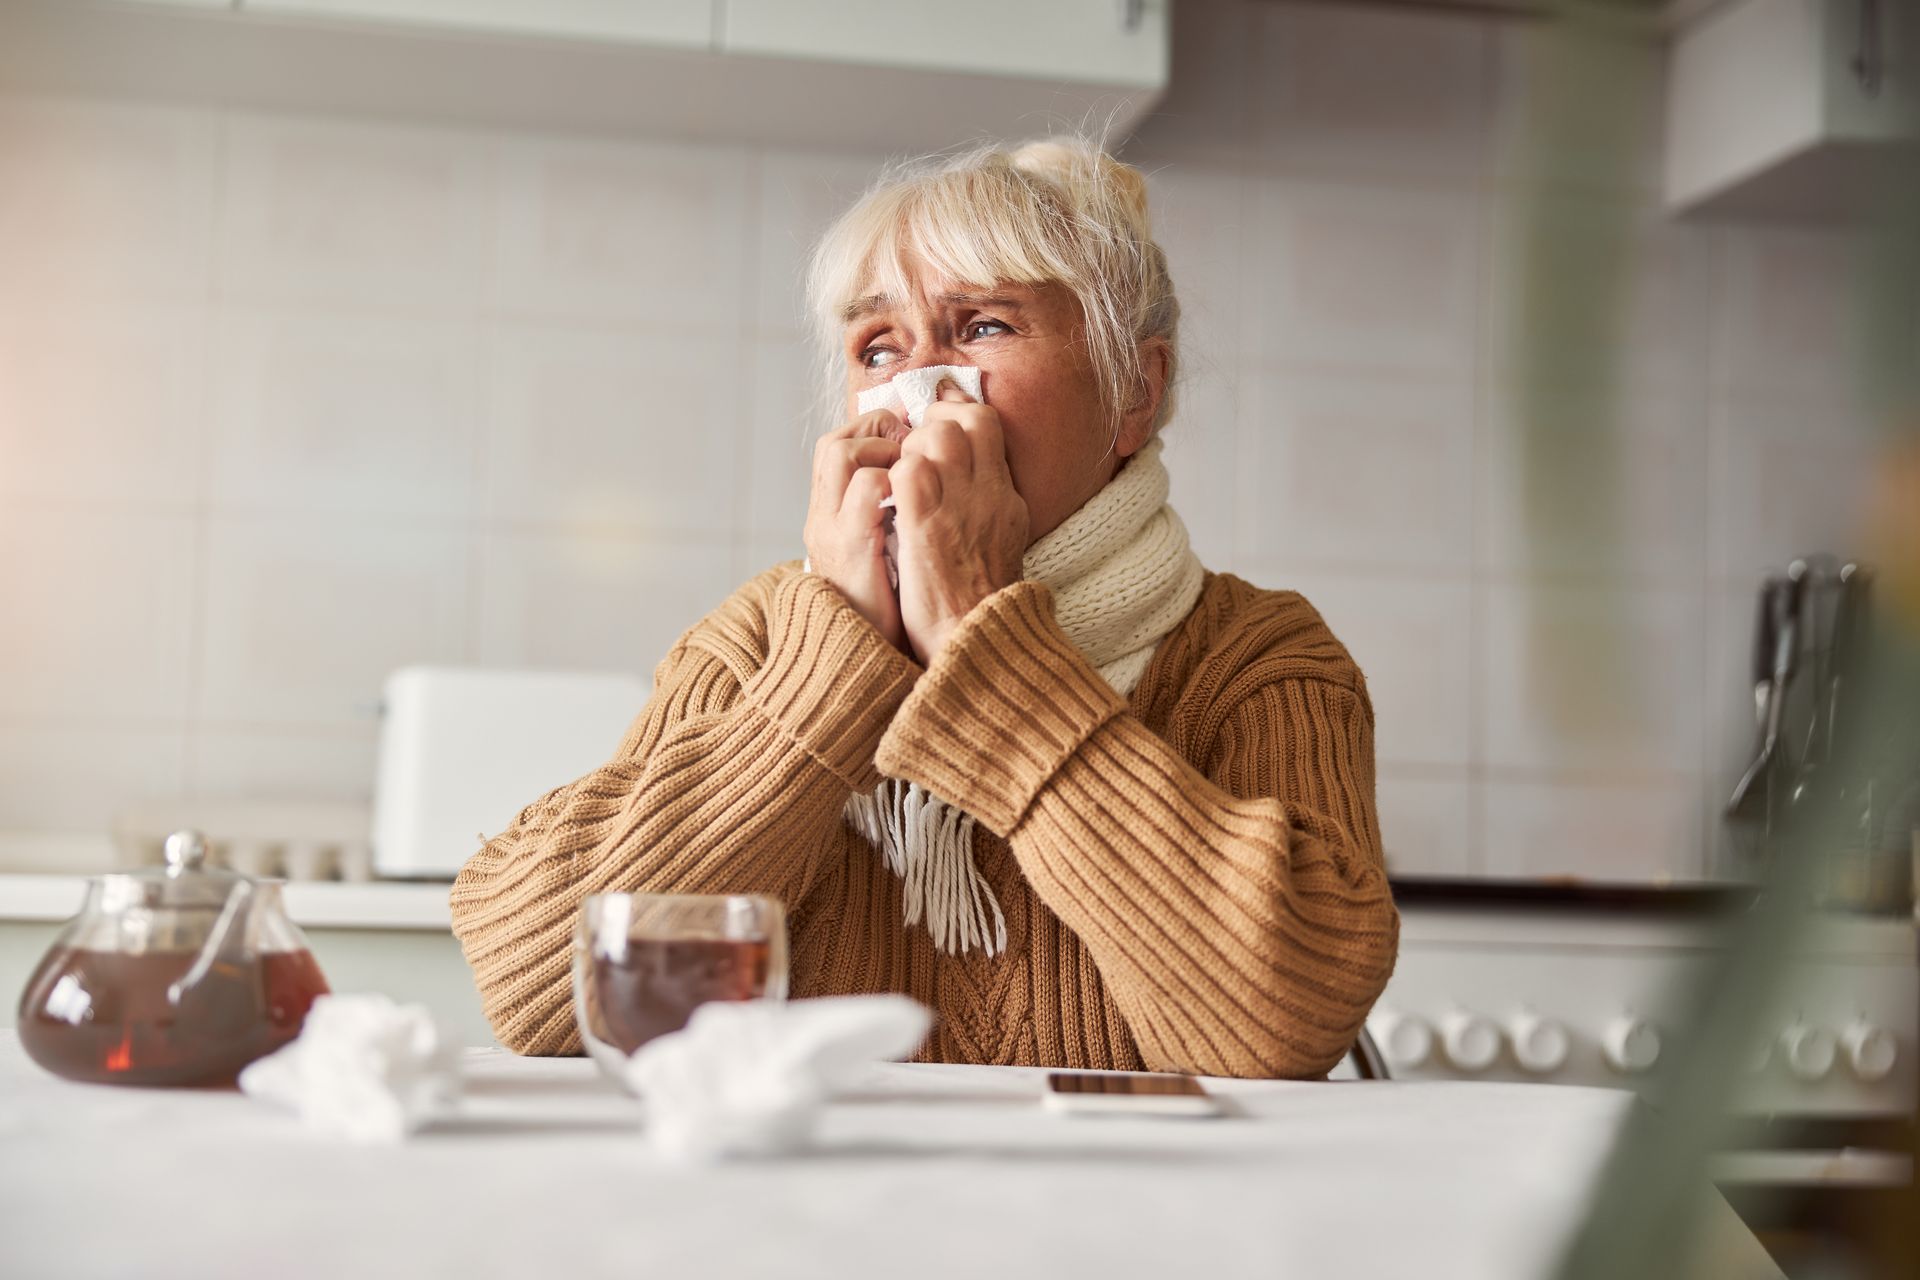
928, 843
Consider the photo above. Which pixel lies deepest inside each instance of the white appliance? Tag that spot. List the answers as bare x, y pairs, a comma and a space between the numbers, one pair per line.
1590, 986
1566, 992
464, 749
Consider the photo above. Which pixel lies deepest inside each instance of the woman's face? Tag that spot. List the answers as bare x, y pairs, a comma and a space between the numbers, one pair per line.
1034, 372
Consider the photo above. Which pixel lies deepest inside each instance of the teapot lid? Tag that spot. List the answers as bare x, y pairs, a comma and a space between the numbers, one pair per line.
185, 881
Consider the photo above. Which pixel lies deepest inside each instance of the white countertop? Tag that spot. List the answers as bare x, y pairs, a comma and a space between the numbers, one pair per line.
317, 904
932, 1171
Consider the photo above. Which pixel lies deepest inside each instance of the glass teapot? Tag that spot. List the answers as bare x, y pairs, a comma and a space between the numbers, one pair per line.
179, 975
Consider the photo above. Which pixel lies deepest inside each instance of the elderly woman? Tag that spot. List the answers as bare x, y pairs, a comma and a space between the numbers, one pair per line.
1001, 743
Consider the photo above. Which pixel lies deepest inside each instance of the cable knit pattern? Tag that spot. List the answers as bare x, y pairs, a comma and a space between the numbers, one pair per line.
1191, 875
1123, 576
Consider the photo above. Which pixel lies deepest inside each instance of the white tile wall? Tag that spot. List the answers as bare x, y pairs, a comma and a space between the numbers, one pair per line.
757, 555
1783, 318
1599, 676
100, 613
800, 193
1362, 277
363, 213
343, 413
614, 428
1199, 217
1597, 829
304, 617
286, 402
104, 199
1788, 475
1426, 819
1202, 457
1413, 638
1374, 471
272, 764
1586, 483
630, 233
1627, 289
593, 603
776, 450
102, 401
56, 775
1589, 111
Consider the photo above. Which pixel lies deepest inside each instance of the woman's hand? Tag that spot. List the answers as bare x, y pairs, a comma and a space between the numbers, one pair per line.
845, 535
962, 526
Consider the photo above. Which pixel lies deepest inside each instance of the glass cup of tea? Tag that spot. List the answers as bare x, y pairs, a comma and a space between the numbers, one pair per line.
643, 962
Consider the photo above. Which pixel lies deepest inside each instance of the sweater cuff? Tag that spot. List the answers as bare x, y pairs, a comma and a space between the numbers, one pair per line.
1003, 706
830, 679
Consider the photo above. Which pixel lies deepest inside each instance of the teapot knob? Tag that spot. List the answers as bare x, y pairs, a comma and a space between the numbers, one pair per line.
186, 851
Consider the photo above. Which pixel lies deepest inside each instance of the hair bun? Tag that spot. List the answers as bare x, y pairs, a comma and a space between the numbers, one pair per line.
1088, 175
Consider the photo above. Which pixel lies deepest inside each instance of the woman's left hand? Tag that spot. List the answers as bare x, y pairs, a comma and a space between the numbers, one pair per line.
962, 527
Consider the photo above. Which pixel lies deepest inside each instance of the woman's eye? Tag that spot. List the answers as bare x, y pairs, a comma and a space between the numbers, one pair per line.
874, 357
977, 325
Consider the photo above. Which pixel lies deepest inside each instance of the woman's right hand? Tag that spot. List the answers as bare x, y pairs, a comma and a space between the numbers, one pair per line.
846, 532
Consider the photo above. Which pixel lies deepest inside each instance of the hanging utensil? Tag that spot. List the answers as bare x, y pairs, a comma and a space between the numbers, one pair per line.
1752, 800
1848, 586
1819, 616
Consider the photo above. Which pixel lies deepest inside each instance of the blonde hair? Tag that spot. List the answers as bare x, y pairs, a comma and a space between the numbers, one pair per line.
1056, 211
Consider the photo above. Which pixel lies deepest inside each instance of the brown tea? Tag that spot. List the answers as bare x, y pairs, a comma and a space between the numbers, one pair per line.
655, 987
112, 1017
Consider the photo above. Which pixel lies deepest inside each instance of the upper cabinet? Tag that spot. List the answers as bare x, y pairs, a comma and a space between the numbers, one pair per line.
1790, 108
683, 24
1120, 42
848, 74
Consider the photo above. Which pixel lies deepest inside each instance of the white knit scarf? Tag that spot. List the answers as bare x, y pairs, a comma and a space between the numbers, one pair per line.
1123, 577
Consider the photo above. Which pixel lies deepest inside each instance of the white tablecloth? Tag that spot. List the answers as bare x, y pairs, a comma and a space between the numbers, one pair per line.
933, 1171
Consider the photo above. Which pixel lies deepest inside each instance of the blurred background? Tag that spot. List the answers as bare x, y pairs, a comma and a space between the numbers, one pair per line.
290, 400
340, 338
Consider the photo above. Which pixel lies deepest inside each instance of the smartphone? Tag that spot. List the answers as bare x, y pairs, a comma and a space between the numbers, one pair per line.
1128, 1093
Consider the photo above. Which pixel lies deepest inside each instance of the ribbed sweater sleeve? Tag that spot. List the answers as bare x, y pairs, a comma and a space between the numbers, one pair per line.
1240, 916
764, 719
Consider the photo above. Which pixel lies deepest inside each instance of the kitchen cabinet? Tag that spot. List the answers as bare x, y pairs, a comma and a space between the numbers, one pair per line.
1095, 41
1789, 108
912, 75
686, 24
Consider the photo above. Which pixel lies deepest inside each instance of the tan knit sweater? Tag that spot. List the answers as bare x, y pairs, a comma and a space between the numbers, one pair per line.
1192, 878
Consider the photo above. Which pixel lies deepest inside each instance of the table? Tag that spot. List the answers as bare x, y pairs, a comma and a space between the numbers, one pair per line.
925, 1171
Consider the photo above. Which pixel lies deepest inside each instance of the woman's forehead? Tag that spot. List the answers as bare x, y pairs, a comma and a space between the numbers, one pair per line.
874, 299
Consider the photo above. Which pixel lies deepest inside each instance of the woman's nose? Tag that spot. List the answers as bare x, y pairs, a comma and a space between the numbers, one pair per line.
933, 346
931, 353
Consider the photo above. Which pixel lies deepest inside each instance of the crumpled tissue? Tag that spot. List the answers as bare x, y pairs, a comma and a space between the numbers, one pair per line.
748, 1078
363, 1068
908, 393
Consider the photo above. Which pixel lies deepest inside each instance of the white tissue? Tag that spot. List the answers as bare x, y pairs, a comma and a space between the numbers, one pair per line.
910, 391
749, 1077
362, 1068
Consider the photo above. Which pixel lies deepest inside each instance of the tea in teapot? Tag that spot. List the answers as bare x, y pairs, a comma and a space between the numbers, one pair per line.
173, 977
